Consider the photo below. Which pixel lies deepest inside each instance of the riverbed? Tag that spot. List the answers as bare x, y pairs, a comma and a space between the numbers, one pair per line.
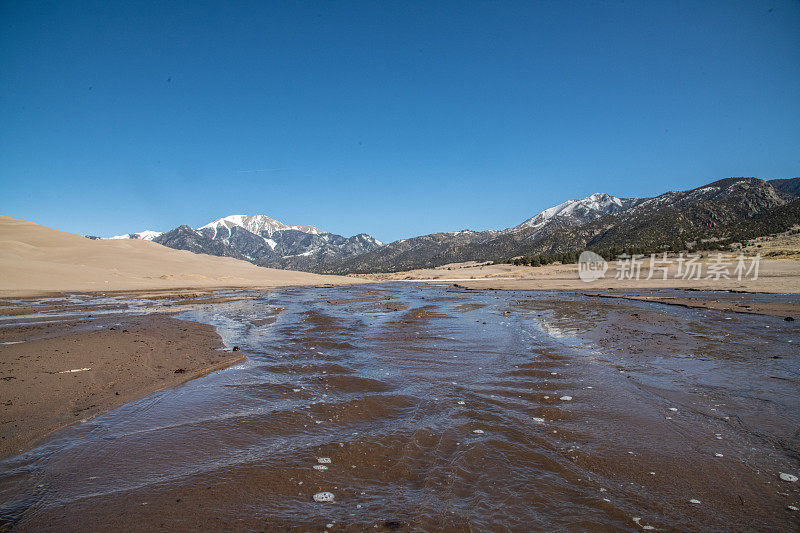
440, 408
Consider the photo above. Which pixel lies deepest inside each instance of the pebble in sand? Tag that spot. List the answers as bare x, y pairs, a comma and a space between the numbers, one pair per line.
638, 522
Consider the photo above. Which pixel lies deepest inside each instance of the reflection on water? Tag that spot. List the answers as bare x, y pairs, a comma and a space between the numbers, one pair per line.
441, 410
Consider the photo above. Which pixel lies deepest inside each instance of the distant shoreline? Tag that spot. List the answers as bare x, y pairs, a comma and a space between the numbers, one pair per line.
776, 276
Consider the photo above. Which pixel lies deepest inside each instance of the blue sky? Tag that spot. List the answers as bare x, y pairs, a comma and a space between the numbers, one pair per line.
392, 118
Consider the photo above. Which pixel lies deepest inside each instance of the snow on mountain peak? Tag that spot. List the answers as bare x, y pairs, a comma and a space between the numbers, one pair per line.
258, 224
575, 211
146, 235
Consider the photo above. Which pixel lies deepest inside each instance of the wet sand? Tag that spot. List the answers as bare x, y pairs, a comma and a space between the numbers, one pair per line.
443, 409
58, 373
750, 304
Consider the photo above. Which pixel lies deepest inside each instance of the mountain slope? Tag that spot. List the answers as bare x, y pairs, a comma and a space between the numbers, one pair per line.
577, 212
599, 221
263, 241
788, 187
441, 248
670, 220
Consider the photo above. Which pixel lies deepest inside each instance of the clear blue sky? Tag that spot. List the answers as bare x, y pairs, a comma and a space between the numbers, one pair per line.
391, 118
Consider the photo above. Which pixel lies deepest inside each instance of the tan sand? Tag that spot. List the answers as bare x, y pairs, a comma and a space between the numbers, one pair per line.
35, 260
775, 276
56, 374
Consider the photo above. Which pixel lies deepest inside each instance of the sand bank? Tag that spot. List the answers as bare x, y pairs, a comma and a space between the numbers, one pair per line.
55, 374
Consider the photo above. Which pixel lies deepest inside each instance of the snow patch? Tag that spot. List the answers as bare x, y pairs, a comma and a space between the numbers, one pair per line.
577, 211
258, 224
146, 235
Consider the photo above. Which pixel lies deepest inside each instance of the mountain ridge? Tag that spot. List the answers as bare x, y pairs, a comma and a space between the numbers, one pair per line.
598, 221
659, 221
261, 240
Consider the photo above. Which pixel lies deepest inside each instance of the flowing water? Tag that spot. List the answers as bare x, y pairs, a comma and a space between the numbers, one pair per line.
443, 409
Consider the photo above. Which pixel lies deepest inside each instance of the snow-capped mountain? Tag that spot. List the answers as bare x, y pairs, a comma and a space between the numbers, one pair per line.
258, 224
146, 235
599, 221
224, 229
262, 240
441, 248
577, 212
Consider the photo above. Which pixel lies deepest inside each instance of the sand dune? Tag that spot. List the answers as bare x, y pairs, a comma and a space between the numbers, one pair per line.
37, 260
